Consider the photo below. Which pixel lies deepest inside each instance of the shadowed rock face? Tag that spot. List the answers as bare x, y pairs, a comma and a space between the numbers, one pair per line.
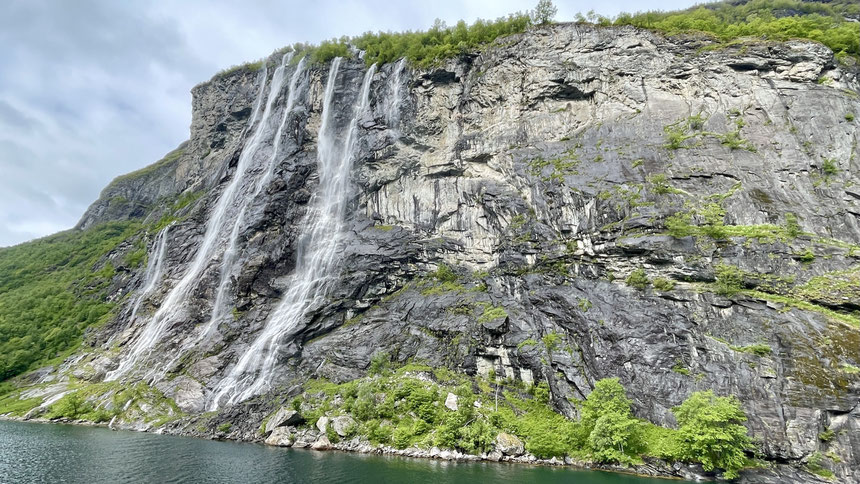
544, 171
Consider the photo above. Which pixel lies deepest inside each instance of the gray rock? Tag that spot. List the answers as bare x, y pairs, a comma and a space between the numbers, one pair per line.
533, 170
284, 417
322, 424
321, 444
342, 425
280, 436
509, 444
451, 402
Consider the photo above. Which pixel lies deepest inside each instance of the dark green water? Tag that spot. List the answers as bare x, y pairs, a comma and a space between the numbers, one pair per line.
45, 453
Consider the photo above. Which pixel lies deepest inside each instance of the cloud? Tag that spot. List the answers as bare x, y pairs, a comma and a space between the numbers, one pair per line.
92, 89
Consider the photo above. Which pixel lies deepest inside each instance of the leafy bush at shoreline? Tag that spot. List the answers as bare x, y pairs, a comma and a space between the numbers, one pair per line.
406, 407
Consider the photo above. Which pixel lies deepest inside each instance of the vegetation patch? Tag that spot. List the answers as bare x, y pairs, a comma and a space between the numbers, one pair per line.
168, 159
555, 169
406, 407
638, 279
52, 290
823, 22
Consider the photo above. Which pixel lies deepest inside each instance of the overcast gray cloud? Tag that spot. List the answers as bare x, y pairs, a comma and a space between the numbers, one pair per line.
92, 89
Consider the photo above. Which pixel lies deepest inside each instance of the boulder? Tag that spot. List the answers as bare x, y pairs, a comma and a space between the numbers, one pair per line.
451, 402
322, 424
281, 437
321, 444
342, 425
509, 444
305, 438
282, 418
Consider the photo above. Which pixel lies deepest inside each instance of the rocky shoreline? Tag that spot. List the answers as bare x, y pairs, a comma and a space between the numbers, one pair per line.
318, 441
507, 450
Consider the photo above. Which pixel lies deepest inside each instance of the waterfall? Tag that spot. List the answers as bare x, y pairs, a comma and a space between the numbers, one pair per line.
153, 269
392, 112
152, 274
317, 249
228, 264
160, 322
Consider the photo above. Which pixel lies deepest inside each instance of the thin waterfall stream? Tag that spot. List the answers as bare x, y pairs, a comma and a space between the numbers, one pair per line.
317, 249
154, 330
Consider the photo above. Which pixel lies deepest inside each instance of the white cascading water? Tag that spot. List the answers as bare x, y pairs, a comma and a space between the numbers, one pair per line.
392, 113
153, 269
317, 250
160, 322
228, 263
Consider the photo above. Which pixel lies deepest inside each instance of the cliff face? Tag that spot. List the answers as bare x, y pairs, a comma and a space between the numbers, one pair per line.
544, 172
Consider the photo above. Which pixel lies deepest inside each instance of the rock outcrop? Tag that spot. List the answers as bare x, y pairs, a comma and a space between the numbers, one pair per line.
544, 172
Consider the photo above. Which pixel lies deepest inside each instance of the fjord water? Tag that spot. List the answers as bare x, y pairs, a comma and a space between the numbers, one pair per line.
36, 453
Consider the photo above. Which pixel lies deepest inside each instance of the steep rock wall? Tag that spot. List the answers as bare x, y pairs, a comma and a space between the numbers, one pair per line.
544, 172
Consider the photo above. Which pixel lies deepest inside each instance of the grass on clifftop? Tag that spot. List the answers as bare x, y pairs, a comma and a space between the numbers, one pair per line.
764, 19
778, 20
51, 290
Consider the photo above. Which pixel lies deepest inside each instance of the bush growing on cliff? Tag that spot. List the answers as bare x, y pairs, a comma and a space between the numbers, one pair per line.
638, 279
730, 280
712, 432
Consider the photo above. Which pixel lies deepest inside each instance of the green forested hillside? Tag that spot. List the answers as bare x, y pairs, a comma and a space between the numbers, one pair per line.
52, 289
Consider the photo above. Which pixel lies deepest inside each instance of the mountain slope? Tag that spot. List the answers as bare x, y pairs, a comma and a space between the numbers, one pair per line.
570, 204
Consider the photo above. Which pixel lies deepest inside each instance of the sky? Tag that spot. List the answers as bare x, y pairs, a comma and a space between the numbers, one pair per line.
92, 89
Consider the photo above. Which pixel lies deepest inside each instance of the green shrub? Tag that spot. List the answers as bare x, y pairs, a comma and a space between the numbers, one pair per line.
829, 167
544, 12
551, 341
678, 225
491, 313
676, 135
427, 48
611, 434
607, 420
660, 184
638, 279
730, 280
541, 392
792, 227
379, 363
712, 432
72, 405
815, 466
378, 433
714, 216
664, 284
584, 304
758, 349
660, 442
477, 437
849, 117
806, 256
